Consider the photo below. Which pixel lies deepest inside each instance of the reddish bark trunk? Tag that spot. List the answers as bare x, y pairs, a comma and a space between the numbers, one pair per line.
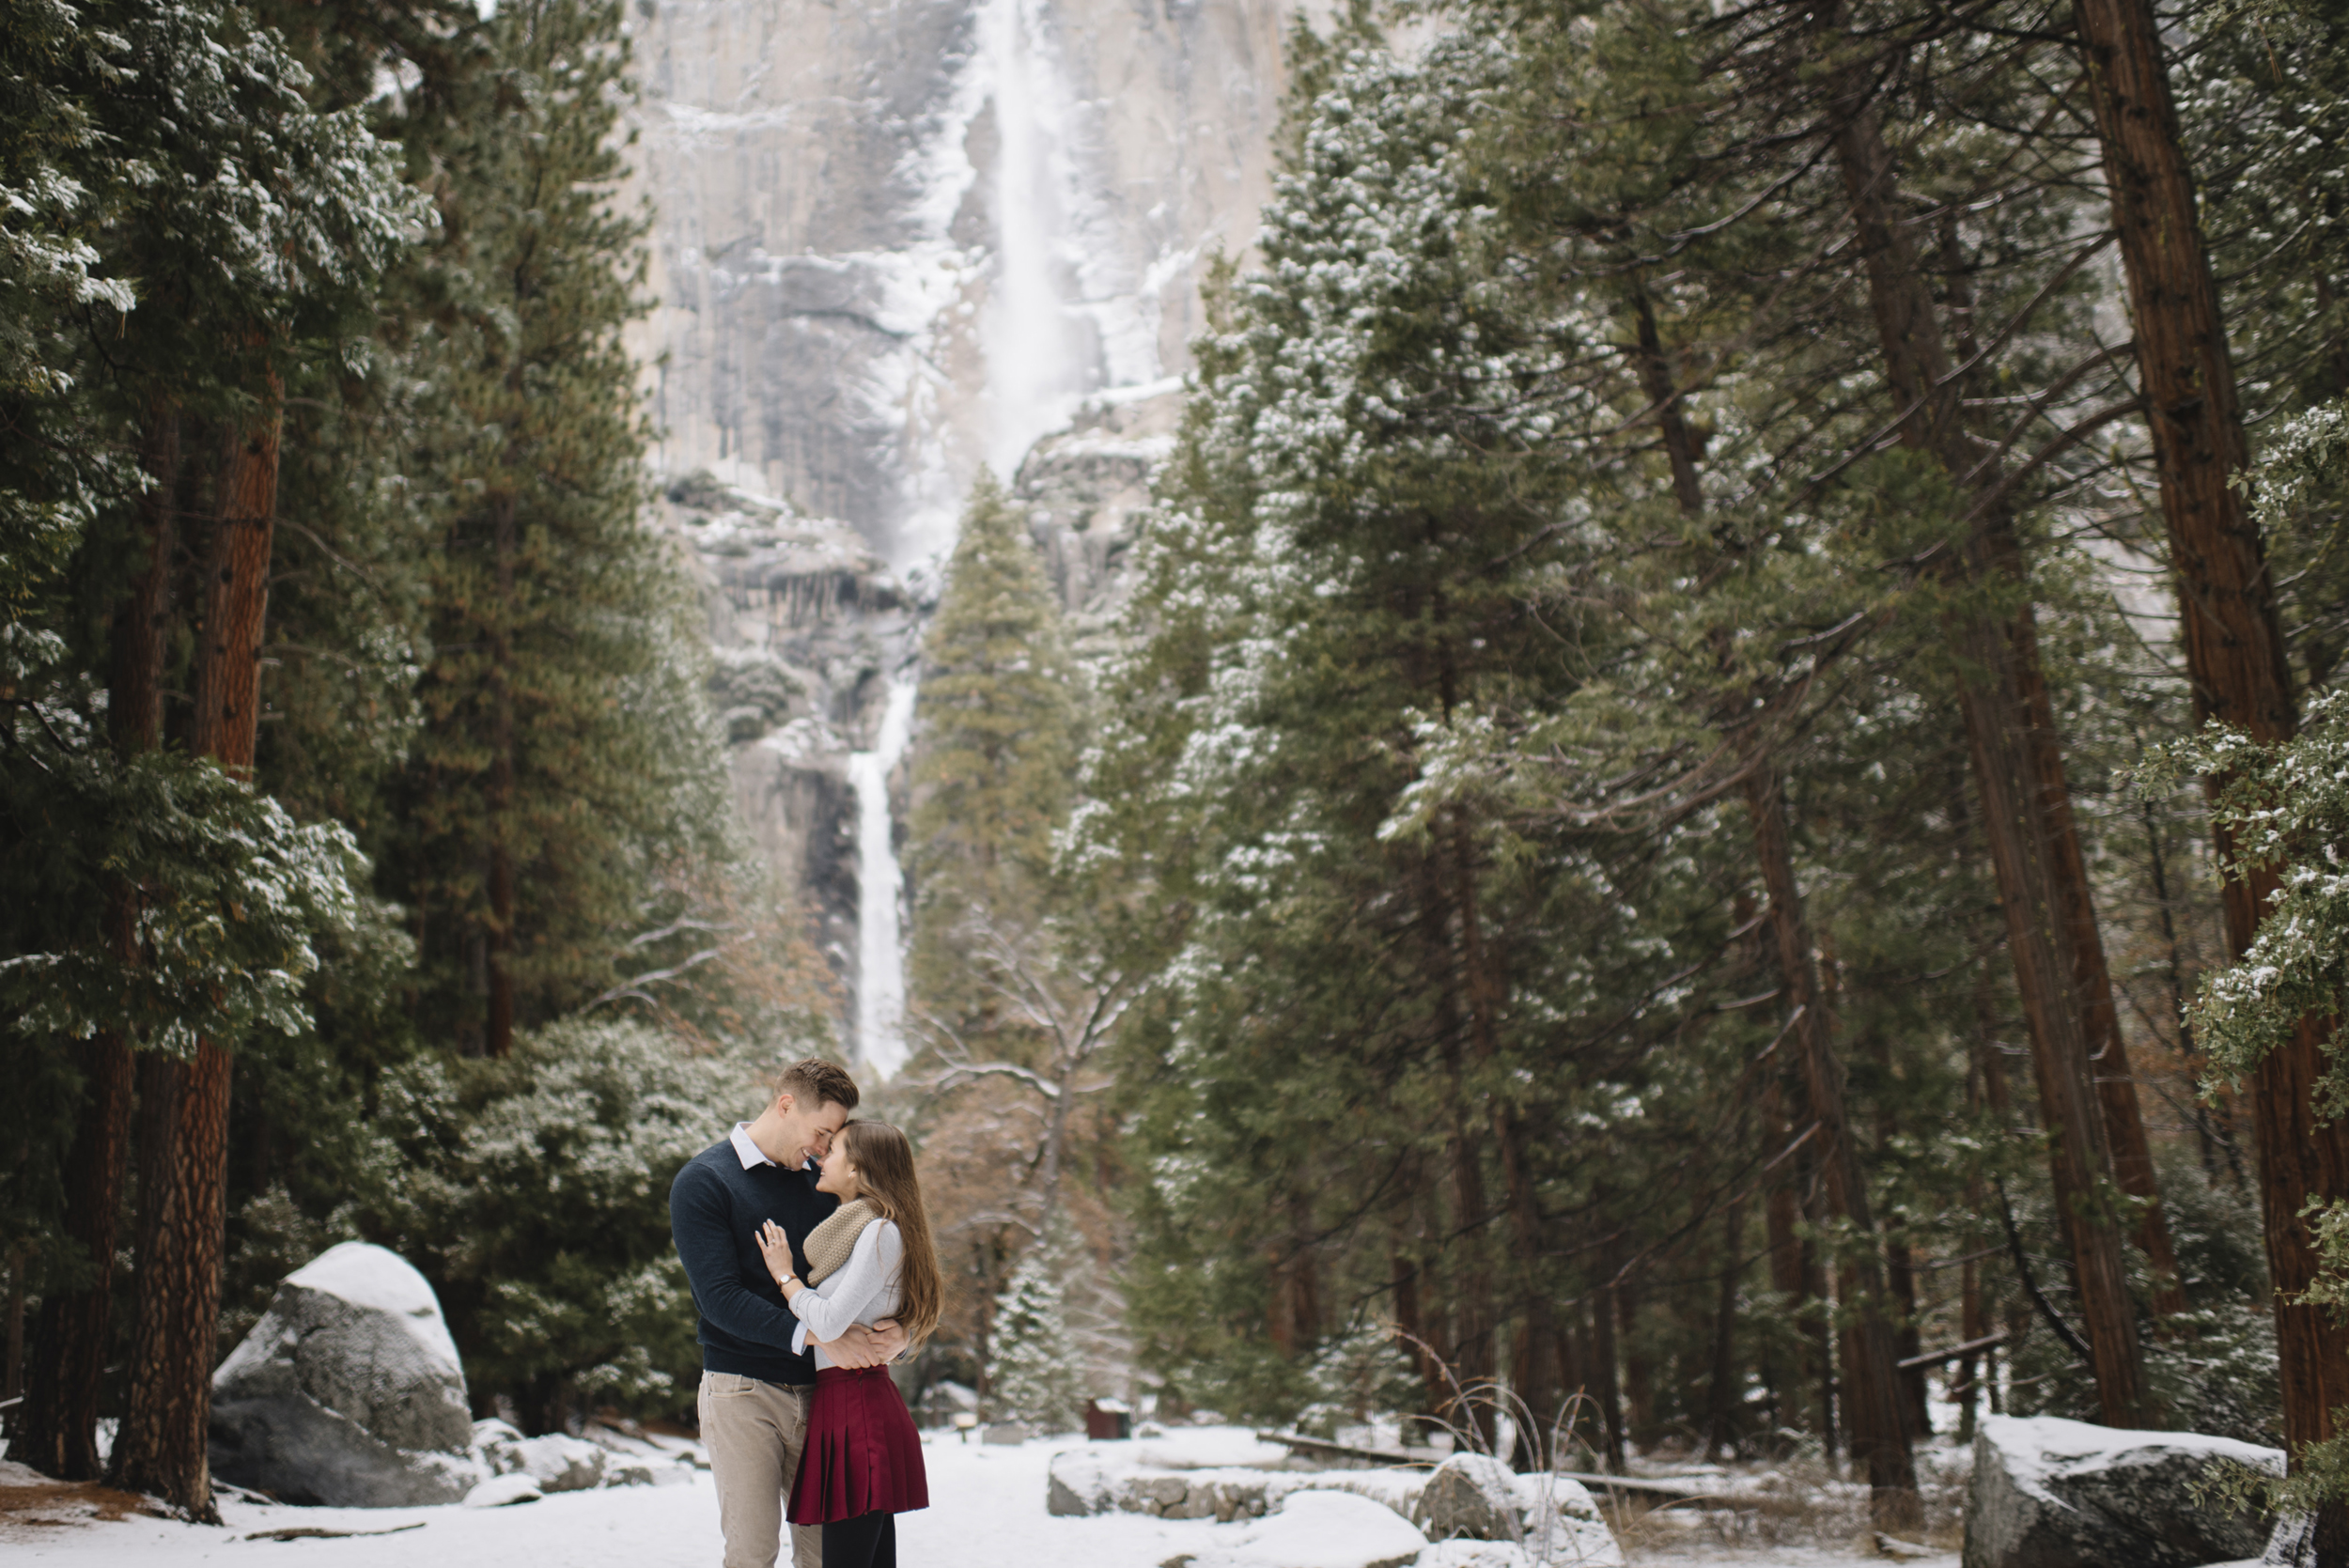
1872, 1382
160, 1447
2234, 646
1999, 665
2091, 981
56, 1429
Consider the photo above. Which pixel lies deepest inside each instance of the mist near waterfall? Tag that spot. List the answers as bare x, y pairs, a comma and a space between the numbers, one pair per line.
880, 981
1040, 359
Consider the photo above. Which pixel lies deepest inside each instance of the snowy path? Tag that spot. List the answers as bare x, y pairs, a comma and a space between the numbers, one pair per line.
987, 1511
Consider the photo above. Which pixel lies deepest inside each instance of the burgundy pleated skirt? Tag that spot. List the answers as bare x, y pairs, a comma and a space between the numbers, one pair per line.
862, 1455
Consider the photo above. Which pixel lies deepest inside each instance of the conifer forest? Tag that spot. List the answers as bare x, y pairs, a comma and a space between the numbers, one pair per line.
1703, 813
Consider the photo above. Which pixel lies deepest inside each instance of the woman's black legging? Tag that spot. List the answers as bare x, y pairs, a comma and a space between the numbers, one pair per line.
867, 1541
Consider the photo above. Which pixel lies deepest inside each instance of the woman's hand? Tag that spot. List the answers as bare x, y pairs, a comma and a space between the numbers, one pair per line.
776, 1248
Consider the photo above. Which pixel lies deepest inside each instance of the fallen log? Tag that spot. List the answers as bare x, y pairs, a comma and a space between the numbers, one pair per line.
1340, 1450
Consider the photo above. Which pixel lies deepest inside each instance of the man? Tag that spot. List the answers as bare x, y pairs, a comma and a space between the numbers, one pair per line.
755, 1391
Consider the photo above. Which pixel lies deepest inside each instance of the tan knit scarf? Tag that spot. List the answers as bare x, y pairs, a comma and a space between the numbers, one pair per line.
830, 1243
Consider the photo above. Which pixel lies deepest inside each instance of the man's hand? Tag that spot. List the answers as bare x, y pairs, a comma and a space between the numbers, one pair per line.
859, 1346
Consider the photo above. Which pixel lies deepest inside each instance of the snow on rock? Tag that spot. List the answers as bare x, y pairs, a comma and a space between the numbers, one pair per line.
1099, 1478
558, 1462
347, 1393
1469, 1494
1474, 1554
1563, 1526
502, 1490
2049, 1493
2291, 1546
1474, 1497
1320, 1529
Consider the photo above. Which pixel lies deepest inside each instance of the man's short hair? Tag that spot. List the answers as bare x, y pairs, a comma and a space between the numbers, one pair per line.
814, 1083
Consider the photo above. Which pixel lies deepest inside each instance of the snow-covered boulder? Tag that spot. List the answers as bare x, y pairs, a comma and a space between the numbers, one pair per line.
1320, 1529
1468, 1496
348, 1393
1120, 1480
2049, 1493
1085, 1481
503, 1491
1472, 1497
557, 1462
1474, 1554
1563, 1527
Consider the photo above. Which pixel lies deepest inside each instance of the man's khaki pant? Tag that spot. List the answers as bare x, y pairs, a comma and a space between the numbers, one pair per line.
754, 1431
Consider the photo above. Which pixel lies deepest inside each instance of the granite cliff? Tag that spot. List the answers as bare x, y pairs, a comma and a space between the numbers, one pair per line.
893, 242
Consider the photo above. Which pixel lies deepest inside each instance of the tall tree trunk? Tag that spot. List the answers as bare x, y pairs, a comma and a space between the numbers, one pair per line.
1419, 1336
498, 1037
1639, 1368
1900, 1275
1605, 1353
1899, 1272
2092, 980
1831, 1422
1872, 1397
1725, 1393
1875, 1427
57, 1430
2009, 774
2235, 645
160, 1447
13, 1351
1531, 1376
1473, 1349
1782, 1212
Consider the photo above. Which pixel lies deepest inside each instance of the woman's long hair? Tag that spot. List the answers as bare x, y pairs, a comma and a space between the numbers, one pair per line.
885, 1177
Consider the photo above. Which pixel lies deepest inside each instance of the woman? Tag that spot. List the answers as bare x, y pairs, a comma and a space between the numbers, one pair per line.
872, 1259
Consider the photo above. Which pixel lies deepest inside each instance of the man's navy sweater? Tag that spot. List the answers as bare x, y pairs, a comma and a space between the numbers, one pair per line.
715, 1208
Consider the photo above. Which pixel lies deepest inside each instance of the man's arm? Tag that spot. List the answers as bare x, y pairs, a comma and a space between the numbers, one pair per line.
859, 1346
698, 1219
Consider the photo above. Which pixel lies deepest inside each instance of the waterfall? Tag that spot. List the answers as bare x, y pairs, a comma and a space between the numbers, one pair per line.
1040, 360
1042, 356
881, 972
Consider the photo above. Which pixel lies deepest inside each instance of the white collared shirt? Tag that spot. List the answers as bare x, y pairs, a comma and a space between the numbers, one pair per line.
747, 1152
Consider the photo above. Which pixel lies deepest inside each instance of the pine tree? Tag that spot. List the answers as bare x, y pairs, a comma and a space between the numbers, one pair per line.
994, 752
1033, 1371
565, 766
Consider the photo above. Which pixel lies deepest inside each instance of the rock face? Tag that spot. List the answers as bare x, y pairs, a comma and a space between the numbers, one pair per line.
891, 243
808, 628
1084, 489
2056, 1493
347, 1393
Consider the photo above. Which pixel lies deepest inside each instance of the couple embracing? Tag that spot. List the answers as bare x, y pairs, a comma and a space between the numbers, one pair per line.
810, 1256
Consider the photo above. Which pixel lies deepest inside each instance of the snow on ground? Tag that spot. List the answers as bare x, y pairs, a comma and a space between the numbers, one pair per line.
987, 1511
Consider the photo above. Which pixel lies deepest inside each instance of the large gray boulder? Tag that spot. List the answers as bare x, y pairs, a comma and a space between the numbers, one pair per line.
348, 1393
2049, 1493
1470, 1497
1550, 1520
